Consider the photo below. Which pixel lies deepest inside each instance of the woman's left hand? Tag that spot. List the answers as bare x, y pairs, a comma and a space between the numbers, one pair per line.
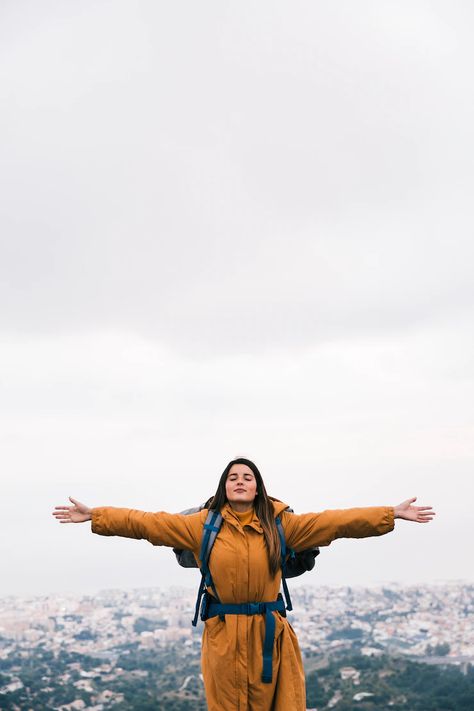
419, 514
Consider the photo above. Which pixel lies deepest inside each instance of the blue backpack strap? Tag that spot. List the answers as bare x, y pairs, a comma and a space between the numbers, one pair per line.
281, 534
201, 590
211, 528
268, 644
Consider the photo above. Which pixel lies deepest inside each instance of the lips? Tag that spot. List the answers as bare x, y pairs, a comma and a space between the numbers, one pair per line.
239, 491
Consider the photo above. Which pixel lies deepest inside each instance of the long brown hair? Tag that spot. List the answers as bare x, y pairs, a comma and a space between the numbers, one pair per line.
263, 508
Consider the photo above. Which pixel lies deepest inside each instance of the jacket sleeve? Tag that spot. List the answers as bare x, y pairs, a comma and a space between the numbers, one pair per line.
319, 529
161, 529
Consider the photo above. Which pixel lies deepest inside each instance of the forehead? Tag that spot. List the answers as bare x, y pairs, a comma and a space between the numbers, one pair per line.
240, 469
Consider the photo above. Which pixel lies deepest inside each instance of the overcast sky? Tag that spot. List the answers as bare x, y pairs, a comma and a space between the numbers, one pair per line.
231, 228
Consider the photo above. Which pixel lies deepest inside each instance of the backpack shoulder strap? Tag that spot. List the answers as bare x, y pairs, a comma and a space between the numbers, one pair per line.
212, 526
281, 535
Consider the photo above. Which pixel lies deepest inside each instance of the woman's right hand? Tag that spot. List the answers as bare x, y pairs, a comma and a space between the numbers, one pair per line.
78, 513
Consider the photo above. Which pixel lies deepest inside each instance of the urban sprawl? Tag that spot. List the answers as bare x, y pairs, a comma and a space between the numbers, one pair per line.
433, 624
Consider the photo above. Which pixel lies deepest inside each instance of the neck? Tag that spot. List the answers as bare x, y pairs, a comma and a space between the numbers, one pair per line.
241, 507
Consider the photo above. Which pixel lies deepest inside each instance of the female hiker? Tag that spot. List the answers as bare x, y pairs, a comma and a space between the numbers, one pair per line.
250, 655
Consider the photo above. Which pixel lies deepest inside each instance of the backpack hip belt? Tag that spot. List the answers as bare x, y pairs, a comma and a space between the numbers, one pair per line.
253, 608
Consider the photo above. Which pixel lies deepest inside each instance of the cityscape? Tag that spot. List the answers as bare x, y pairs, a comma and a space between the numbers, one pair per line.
127, 649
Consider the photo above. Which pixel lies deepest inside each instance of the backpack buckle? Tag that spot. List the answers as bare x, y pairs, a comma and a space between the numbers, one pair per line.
254, 608
205, 606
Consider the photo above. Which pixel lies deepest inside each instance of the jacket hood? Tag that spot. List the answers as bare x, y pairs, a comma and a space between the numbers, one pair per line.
278, 506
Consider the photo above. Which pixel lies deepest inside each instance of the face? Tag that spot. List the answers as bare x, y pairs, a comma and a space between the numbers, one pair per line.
241, 485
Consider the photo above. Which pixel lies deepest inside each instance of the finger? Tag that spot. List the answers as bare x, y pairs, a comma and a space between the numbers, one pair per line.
74, 501
63, 508
67, 521
423, 508
410, 501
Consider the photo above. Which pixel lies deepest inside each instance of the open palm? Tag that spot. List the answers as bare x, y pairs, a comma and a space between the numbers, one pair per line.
419, 514
77, 513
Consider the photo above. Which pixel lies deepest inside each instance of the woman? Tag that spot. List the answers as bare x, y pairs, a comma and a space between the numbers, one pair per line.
245, 568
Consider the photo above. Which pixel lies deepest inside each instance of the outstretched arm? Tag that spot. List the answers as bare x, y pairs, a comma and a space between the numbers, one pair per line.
161, 528
320, 529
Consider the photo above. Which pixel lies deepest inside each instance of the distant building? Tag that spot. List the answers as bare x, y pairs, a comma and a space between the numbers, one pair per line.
350, 673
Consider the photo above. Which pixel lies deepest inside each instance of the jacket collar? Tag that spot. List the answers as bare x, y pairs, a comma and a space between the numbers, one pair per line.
229, 515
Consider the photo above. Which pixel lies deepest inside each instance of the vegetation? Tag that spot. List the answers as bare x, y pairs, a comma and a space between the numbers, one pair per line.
169, 679
396, 683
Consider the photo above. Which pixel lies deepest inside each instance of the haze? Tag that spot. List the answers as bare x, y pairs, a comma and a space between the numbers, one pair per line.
235, 229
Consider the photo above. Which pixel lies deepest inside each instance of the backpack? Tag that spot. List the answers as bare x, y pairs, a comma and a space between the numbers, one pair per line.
296, 564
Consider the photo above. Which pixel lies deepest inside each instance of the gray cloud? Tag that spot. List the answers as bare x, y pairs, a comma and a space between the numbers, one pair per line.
230, 228
233, 180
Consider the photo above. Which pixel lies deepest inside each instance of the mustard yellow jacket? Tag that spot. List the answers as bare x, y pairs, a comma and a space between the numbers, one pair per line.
232, 649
